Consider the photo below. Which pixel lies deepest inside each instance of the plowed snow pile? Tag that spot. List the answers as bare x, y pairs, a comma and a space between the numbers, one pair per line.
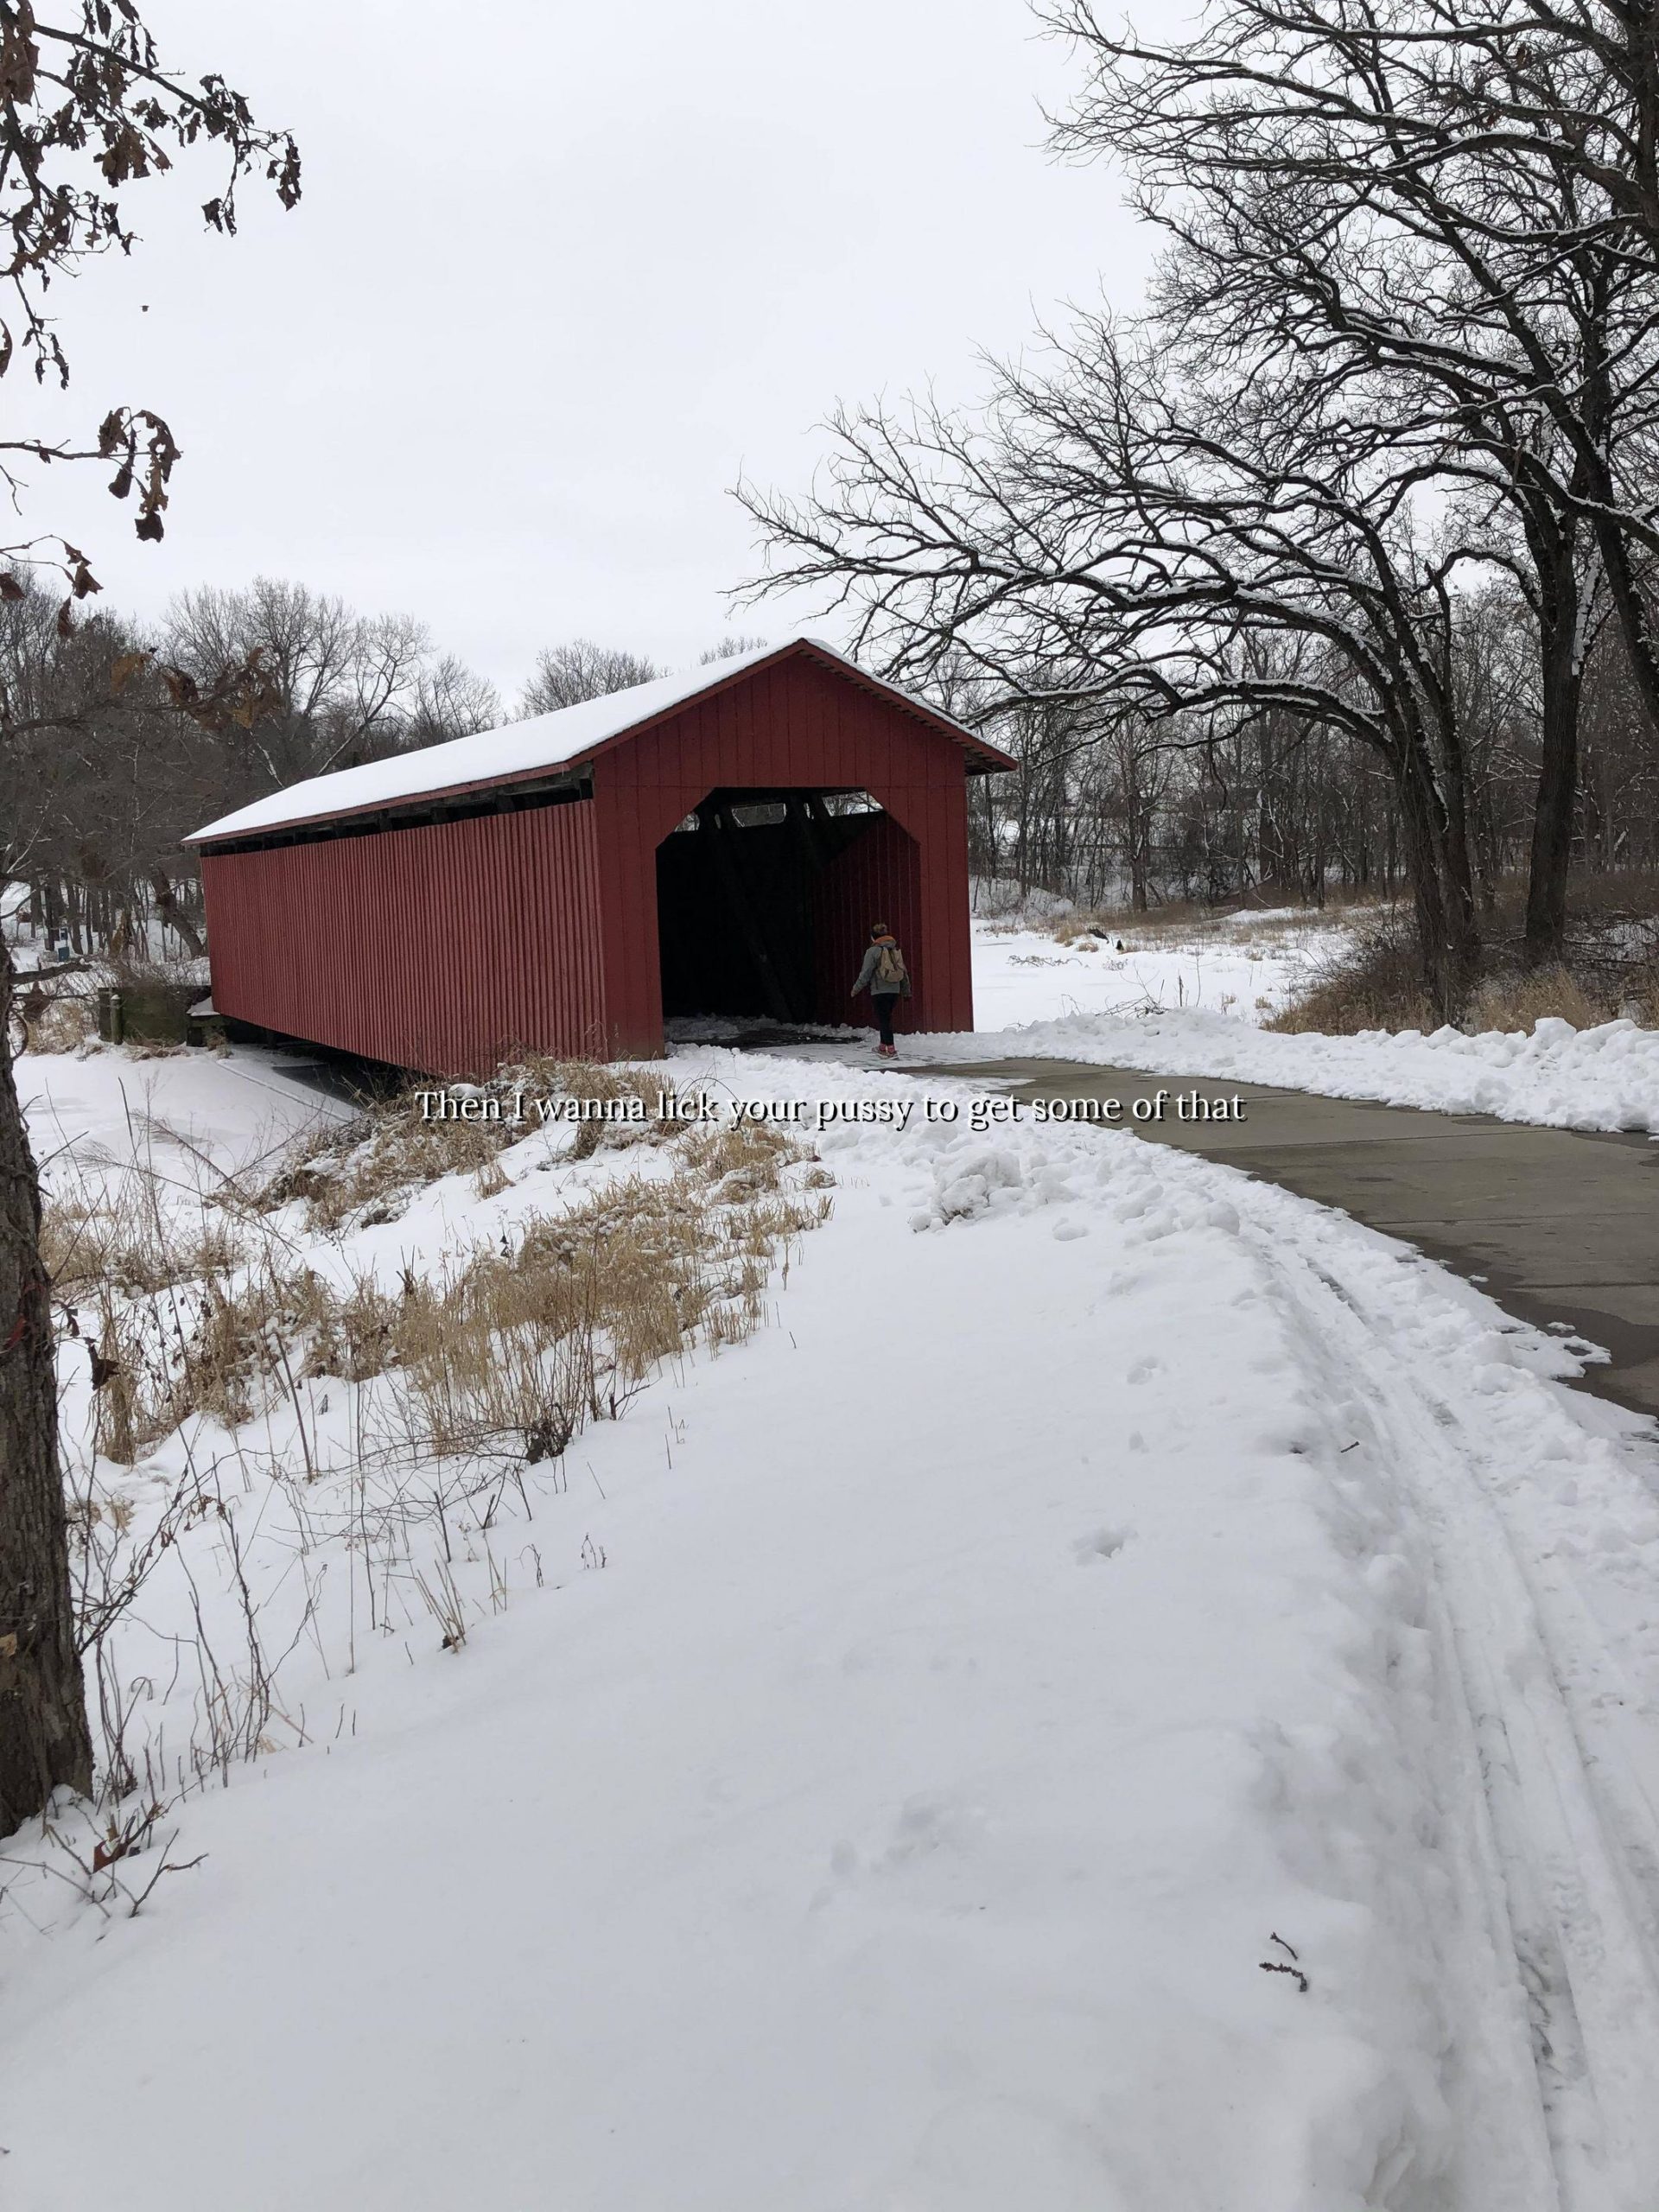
1602, 1078
1130, 1694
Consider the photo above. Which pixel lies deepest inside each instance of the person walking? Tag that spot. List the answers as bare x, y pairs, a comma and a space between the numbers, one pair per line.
886, 979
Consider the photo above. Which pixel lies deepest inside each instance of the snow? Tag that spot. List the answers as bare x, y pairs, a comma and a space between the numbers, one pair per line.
1247, 965
1108, 1577
95, 1112
555, 740
31, 949
1606, 1077
1190, 1000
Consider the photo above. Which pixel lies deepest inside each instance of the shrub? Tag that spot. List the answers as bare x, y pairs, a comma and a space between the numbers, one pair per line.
1375, 982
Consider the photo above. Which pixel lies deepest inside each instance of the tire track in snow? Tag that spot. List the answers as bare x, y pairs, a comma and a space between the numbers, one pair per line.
1566, 1824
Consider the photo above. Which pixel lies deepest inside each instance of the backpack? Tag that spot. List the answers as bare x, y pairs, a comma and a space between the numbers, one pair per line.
890, 968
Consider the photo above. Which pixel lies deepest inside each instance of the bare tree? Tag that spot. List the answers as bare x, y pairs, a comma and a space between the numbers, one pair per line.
566, 675
1165, 545
1447, 205
110, 756
89, 84
730, 648
450, 701
347, 687
111, 761
1400, 355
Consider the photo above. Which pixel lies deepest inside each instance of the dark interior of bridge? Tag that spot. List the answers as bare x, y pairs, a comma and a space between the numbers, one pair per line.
761, 900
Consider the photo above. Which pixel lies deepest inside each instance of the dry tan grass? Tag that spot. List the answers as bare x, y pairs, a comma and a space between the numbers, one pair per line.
1376, 984
207, 1349
531, 1347
94, 1238
58, 1027
509, 1349
377, 1158
367, 1169
1082, 930
596, 1083
1518, 1001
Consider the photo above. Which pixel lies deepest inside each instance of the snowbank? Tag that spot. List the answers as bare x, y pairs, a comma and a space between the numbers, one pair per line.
1602, 1078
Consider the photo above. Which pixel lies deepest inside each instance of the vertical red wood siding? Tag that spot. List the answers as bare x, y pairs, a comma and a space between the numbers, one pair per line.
447, 947
794, 725
444, 949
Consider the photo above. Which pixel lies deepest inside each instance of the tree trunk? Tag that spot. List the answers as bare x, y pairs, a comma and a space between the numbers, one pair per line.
44, 1741
173, 915
1558, 786
1631, 607
1448, 935
1140, 869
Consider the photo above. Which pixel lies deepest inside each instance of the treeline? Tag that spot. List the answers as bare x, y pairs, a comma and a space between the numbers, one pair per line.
1120, 810
1342, 553
117, 741
104, 770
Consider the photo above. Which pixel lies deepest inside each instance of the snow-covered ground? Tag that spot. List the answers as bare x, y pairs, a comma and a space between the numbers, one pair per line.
1602, 1078
914, 1758
100, 1109
1247, 965
1193, 1006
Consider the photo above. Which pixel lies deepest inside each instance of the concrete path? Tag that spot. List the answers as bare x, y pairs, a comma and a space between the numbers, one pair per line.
1561, 1226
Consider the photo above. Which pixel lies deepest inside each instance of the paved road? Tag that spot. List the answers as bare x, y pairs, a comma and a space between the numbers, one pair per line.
1561, 1226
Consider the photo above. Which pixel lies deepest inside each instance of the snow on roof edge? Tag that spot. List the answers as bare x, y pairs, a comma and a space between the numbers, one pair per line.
559, 739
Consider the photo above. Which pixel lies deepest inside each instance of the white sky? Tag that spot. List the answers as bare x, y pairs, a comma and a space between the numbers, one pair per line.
560, 272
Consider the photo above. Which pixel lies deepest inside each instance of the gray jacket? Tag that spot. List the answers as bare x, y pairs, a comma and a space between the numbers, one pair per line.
867, 979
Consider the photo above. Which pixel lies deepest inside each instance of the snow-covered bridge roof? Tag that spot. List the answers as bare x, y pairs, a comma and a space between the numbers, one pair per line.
524, 749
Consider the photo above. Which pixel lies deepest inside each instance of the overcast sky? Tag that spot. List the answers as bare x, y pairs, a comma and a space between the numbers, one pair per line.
560, 272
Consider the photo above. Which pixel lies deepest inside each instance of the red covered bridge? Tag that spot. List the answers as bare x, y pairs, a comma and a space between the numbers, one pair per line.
713, 844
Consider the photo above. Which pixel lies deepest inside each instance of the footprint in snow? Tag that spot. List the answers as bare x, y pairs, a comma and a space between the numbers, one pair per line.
1105, 1543
926, 1824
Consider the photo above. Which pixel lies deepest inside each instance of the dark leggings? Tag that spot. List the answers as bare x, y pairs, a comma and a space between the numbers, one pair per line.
884, 1003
